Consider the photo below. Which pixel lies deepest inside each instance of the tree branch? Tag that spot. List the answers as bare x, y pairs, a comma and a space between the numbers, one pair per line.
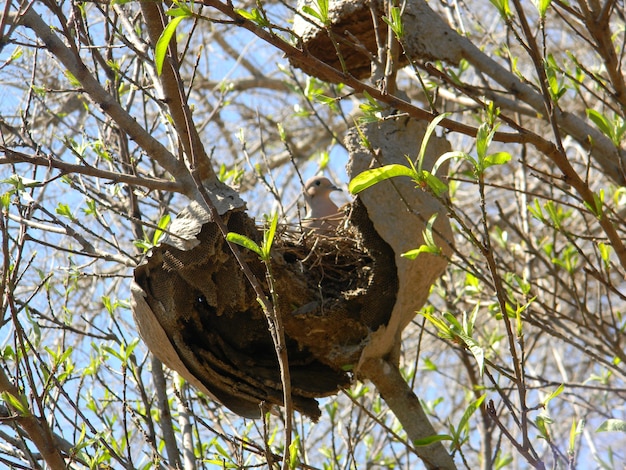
11, 156
602, 149
408, 409
174, 94
96, 92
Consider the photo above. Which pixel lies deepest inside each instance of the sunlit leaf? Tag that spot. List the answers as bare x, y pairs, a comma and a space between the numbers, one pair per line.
162, 224
160, 50
449, 156
575, 430
542, 7
470, 410
371, 177
394, 20
245, 242
17, 403
268, 238
554, 394
431, 440
503, 7
432, 125
612, 425
255, 16
600, 120
498, 158
437, 186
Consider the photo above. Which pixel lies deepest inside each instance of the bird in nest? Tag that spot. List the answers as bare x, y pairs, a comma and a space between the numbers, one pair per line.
322, 214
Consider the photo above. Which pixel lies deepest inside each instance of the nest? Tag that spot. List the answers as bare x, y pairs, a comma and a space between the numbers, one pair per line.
332, 292
336, 264
354, 37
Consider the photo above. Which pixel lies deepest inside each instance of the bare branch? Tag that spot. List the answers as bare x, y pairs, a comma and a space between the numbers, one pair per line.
101, 97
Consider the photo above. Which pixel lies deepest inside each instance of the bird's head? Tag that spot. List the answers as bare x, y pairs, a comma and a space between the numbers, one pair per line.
318, 187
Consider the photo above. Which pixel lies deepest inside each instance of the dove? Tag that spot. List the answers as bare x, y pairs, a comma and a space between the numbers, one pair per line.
322, 213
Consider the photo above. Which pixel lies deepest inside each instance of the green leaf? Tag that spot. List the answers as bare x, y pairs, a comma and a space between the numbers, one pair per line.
542, 422
454, 323
429, 364
461, 332
575, 431
449, 156
605, 253
92, 207
323, 160
414, 253
108, 305
223, 452
234, 174
127, 350
293, 452
483, 139
568, 259
5, 200
16, 54
64, 210
468, 323
321, 13
432, 125
542, 7
477, 352
431, 440
601, 121
498, 158
245, 242
444, 330
612, 425
484, 136
59, 357
598, 204
72, 79
470, 410
17, 403
20, 183
395, 21
371, 177
437, 186
256, 16
503, 7
429, 245
160, 50
554, 74
180, 10
281, 132
372, 110
536, 211
327, 100
268, 238
113, 352
502, 461
554, 394
163, 223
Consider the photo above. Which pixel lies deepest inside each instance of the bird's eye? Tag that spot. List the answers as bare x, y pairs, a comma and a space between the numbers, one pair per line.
318, 182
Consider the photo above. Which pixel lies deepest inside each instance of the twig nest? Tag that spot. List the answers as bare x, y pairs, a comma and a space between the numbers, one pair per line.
353, 31
199, 315
342, 299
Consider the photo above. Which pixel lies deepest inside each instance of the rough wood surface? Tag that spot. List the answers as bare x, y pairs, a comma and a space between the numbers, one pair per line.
353, 31
399, 212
